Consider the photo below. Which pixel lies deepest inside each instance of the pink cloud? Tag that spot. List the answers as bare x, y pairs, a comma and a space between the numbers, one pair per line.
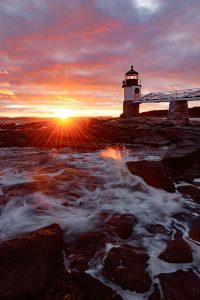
85, 47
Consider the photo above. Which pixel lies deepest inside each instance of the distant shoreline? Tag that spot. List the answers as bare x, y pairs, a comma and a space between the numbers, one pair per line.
194, 114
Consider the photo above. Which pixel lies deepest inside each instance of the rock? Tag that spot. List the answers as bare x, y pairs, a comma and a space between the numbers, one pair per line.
90, 239
187, 175
92, 289
122, 224
191, 190
194, 232
112, 123
153, 172
156, 294
177, 251
183, 155
143, 127
20, 189
83, 250
13, 138
127, 267
8, 126
157, 229
152, 141
180, 285
31, 264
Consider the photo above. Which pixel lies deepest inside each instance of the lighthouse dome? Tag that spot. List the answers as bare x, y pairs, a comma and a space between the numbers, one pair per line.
132, 72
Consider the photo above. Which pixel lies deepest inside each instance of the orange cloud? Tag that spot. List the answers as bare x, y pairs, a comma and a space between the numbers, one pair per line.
6, 92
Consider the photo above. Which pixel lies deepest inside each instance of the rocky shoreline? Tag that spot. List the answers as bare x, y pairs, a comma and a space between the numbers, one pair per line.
88, 133
41, 265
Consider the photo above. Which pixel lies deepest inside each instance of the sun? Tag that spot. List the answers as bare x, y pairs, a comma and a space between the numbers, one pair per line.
62, 113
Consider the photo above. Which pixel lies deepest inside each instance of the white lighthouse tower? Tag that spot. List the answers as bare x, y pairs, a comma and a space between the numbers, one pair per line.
132, 92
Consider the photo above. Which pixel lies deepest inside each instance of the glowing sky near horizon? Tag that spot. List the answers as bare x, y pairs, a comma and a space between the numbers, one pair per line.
58, 54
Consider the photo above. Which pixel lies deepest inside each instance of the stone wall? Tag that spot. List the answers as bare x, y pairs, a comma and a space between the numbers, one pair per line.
130, 109
178, 112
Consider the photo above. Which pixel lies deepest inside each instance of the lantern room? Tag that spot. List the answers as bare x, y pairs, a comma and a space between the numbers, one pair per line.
131, 78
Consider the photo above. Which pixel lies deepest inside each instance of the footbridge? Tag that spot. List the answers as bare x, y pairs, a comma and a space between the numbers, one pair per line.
171, 96
178, 103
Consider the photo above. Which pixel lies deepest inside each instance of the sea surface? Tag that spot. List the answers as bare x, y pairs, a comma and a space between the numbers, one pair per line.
39, 187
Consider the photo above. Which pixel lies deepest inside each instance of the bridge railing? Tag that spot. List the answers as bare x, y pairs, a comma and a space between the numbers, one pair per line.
171, 95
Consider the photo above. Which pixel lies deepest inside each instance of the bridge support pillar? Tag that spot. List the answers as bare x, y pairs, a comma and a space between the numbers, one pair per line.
130, 109
178, 112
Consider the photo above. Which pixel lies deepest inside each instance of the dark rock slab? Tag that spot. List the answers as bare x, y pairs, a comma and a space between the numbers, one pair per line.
30, 264
182, 155
180, 285
91, 288
177, 251
194, 232
122, 224
127, 267
153, 172
191, 190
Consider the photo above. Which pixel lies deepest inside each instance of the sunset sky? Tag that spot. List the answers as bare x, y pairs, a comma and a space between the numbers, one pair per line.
73, 54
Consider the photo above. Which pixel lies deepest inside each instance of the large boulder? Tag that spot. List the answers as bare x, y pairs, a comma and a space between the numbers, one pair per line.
182, 155
31, 264
180, 285
154, 173
127, 267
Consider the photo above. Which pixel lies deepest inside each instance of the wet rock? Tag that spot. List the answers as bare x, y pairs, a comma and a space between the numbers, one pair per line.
180, 285
156, 294
20, 189
194, 232
158, 229
90, 239
127, 267
182, 155
191, 190
177, 251
83, 250
31, 264
153, 172
92, 289
187, 175
122, 224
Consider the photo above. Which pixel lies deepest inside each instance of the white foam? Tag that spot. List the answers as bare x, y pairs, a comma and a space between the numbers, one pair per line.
118, 191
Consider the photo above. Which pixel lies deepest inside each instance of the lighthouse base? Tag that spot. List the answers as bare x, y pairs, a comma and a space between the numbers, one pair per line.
130, 109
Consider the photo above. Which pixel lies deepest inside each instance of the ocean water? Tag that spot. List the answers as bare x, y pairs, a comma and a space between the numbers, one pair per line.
39, 187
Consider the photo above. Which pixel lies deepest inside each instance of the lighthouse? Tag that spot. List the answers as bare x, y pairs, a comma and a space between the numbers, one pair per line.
132, 93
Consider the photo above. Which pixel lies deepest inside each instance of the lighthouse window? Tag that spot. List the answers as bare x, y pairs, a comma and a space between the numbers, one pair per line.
133, 76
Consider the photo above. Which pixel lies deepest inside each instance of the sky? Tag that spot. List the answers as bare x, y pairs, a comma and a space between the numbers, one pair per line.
73, 54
